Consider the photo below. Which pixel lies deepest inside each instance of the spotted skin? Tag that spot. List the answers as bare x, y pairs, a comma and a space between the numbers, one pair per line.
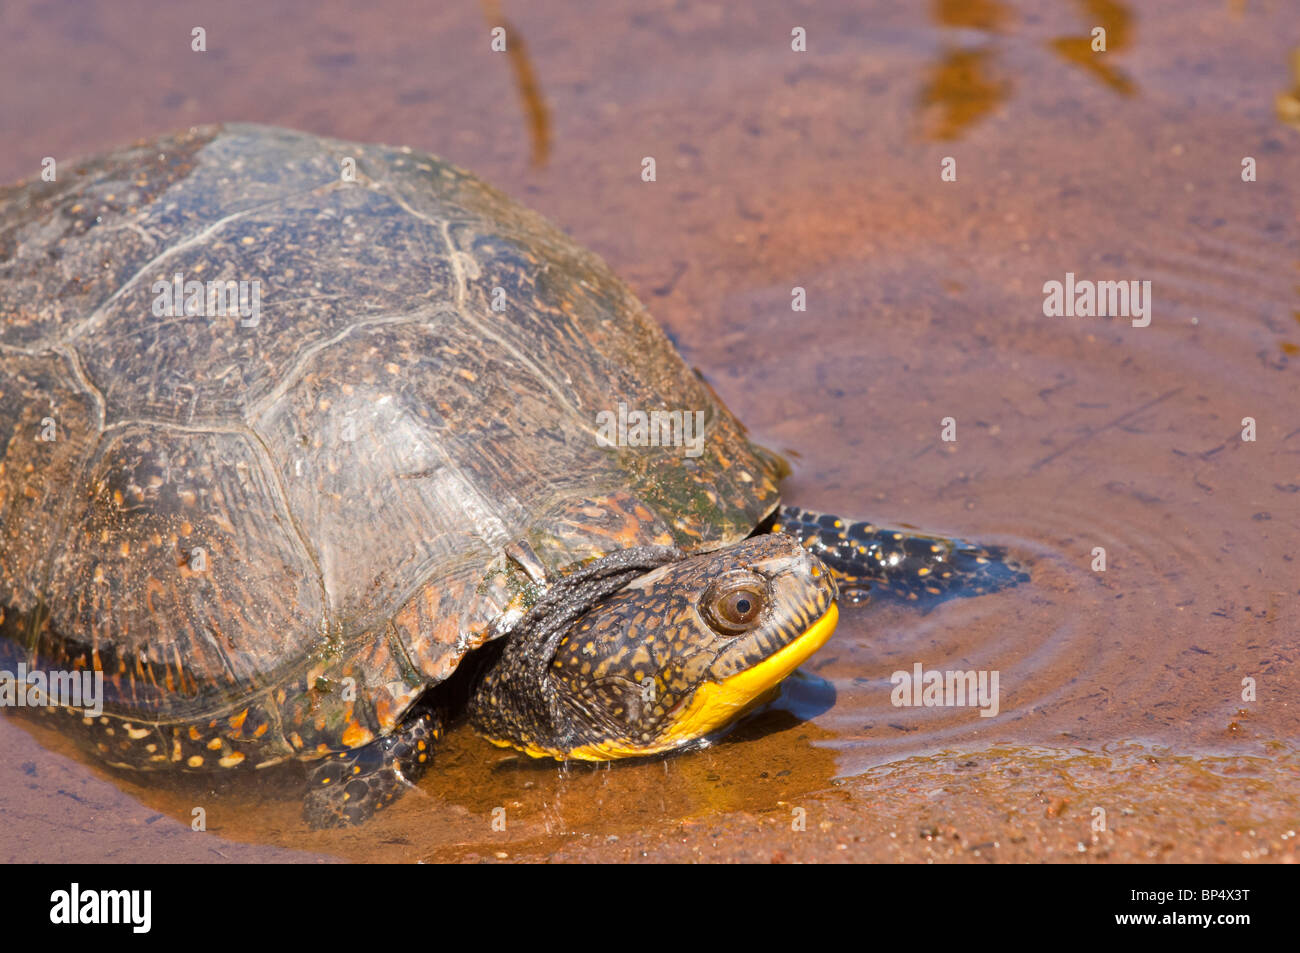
348, 787
903, 565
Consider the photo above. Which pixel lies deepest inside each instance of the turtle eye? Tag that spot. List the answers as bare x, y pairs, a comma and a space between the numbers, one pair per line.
732, 604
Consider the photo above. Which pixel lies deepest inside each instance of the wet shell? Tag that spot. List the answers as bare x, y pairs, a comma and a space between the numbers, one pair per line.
272, 529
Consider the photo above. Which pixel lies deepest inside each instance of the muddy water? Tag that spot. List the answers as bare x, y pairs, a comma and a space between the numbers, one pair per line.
1120, 691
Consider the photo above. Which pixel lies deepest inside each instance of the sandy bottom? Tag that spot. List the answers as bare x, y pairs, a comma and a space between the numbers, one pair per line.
1147, 712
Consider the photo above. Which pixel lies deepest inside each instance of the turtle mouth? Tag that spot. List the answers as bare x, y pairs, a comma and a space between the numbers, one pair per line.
717, 704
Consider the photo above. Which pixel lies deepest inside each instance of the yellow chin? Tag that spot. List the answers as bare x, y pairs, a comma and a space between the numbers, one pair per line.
717, 704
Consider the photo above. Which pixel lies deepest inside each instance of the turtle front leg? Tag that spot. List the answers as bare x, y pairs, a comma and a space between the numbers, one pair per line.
349, 786
904, 564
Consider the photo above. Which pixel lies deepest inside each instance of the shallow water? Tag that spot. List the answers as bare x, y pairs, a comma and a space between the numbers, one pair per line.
1120, 689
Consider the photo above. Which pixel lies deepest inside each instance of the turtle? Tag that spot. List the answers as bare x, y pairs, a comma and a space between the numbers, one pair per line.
296, 434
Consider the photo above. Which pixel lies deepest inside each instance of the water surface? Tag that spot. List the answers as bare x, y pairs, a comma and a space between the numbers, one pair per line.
1119, 689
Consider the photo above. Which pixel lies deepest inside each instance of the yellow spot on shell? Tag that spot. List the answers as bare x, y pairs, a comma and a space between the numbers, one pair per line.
354, 736
195, 761
237, 721
214, 744
232, 759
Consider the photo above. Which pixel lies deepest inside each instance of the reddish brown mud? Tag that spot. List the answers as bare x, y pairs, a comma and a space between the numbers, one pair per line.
1121, 692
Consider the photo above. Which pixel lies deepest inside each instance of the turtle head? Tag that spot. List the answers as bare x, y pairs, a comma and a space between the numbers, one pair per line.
673, 656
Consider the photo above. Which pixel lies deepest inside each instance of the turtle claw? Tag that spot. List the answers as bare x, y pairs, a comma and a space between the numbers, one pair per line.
348, 787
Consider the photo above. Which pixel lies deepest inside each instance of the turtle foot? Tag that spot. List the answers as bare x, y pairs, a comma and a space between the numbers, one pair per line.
349, 786
899, 563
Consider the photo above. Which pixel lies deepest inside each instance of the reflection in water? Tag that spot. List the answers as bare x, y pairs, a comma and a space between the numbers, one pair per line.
1288, 101
530, 93
962, 90
1116, 20
963, 87
987, 15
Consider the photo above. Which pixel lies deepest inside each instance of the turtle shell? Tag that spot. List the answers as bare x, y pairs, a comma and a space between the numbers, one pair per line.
273, 528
